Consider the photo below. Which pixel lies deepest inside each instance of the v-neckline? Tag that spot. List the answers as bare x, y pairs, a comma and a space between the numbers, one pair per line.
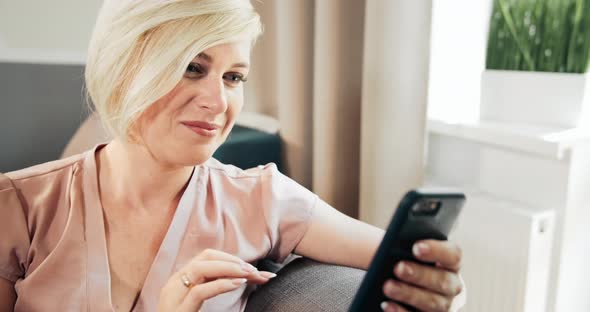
99, 290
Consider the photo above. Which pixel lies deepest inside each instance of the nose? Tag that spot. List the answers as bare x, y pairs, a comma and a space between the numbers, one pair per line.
214, 97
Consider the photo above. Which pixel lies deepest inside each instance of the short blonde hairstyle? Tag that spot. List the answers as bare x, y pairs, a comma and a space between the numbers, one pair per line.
140, 49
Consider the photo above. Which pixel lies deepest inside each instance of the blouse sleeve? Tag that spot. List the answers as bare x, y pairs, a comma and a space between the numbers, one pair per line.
15, 241
287, 207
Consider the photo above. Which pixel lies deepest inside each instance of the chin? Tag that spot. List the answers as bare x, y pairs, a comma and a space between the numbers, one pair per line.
192, 157
189, 152
192, 160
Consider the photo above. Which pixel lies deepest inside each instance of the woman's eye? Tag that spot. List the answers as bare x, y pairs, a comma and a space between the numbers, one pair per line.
235, 78
194, 69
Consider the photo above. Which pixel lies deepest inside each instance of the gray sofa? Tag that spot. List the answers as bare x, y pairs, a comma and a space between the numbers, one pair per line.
306, 285
41, 108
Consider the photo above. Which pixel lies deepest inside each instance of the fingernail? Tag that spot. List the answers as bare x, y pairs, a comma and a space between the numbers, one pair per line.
420, 249
239, 281
247, 267
384, 305
267, 274
458, 289
445, 286
405, 269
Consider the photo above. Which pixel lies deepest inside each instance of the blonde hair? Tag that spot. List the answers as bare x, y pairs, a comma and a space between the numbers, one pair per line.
140, 49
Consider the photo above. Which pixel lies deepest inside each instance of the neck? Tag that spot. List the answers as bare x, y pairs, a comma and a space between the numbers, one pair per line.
131, 177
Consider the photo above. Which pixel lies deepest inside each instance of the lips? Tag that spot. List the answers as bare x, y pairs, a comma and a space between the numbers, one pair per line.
202, 128
201, 124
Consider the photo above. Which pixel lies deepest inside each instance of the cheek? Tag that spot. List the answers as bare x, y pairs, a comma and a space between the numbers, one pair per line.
157, 116
235, 105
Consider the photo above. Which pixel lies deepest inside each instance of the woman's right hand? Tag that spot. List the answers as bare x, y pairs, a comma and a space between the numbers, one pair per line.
209, 274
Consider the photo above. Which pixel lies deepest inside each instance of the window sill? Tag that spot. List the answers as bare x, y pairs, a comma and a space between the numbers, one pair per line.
542, 141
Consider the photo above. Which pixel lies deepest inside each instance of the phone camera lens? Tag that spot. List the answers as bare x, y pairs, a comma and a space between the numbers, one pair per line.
432, 205
426, 207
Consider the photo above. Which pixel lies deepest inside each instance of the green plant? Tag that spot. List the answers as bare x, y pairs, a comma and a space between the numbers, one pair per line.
539, 35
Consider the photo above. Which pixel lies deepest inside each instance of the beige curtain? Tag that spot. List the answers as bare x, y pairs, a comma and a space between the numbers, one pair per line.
331, 70
395, 95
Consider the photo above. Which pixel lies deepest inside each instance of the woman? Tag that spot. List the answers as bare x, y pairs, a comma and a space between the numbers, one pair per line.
150, 221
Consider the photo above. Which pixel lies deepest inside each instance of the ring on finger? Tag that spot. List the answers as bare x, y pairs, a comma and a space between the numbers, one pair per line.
186, 281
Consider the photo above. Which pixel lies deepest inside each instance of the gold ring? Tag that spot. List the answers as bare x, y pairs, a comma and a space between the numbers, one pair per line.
186, 281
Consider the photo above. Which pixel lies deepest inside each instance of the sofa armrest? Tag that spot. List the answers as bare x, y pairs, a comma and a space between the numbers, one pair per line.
307, 285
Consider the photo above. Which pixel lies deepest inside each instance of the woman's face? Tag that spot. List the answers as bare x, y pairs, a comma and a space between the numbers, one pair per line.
187, 125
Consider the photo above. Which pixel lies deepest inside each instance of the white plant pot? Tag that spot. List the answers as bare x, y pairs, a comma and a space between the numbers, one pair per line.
538, 98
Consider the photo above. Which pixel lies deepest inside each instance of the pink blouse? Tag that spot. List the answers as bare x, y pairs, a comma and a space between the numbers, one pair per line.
53, 244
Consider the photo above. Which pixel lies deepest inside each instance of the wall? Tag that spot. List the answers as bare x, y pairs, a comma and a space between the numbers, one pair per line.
54, 32
42, 51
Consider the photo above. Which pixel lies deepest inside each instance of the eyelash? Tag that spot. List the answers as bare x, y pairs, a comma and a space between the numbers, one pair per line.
195, 70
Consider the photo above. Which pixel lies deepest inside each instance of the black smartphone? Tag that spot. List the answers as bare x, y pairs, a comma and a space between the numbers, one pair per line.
421, 214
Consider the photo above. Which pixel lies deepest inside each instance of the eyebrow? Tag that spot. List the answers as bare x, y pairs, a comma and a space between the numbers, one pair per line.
209, 59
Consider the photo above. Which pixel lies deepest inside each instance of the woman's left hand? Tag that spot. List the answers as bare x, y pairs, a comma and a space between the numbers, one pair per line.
424, 287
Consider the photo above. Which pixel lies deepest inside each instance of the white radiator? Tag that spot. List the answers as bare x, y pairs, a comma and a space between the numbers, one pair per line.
506, 253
